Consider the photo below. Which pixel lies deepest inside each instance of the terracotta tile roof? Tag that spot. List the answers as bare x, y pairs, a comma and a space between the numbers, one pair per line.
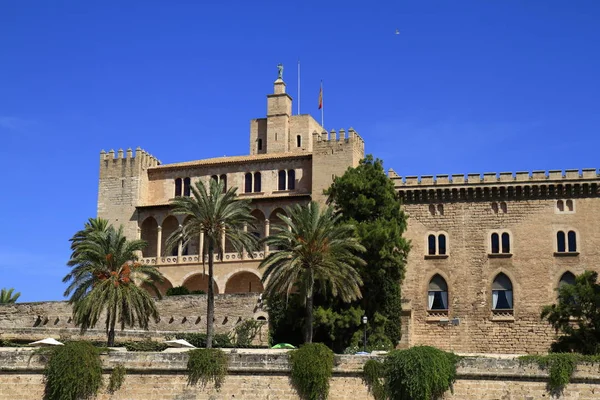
232, 160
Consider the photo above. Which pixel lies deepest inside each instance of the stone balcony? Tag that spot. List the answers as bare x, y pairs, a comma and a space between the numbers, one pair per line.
195, 258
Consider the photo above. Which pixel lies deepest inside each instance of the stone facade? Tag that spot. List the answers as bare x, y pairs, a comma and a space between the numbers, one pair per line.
34, 321
265, 375
292, 160
531, 209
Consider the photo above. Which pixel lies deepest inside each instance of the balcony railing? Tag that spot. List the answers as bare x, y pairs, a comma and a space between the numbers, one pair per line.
195, 259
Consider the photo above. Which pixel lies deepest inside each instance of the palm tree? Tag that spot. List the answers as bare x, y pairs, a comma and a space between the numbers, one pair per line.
214, 213
103, 279
7, 296
92, 225
313, 247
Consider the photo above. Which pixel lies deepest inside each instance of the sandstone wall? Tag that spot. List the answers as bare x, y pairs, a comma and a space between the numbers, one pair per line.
32, 321
266, 376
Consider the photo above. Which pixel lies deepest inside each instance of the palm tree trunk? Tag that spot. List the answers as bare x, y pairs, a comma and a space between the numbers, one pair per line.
210, 302
111, 329
308, 335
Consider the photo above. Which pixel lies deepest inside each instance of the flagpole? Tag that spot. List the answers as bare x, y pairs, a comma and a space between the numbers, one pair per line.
298, 86
322, 106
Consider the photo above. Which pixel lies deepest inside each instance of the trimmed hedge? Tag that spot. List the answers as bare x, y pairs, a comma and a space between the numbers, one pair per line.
311, 370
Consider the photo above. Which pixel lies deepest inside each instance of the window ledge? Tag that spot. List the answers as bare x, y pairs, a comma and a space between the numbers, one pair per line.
251, 193
566, 253
440, 316
284, 191
504, 315
435, 256
499, 255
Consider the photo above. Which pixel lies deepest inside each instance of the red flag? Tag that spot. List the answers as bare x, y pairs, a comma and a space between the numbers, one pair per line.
321, 96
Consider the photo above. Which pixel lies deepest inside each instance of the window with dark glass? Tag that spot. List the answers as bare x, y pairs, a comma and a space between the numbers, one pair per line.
177, 187
495, 243
437, 296
298, 141
259, 144
431, 244
566, 279
291, 179
502, 293
248, 183
281, 182
186, 186
560, 242
257, 182
442, 244
505, 242
572, 239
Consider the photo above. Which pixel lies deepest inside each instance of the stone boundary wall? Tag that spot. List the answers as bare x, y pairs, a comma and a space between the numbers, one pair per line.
265, 375
33, 321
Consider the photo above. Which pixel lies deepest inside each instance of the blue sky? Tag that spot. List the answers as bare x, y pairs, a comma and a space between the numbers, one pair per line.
467, 86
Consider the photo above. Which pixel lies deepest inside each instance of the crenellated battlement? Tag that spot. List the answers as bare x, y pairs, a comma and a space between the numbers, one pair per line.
142, 158
332, 136
494, 177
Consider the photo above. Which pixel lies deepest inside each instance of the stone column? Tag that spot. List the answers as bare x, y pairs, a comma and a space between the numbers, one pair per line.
244, 252
201, 246
267, 229
158, 244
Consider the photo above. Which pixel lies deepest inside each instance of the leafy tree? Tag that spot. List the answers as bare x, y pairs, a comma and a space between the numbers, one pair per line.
216, 213
577, 315
365, 196
315, 253
102, 279
7, 296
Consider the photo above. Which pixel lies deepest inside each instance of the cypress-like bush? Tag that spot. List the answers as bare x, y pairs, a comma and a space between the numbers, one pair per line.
311, 369
419, 373
73, 371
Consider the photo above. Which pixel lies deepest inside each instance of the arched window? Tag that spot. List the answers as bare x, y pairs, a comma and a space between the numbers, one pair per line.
502, 293
186, 187
223, 179
177, 187
431, 244
560, 205
432, 209
281, 182
248, 183
495, 243
503, 207
560, 242
442, 244
505, 242
291, 181
570, 205
437, 298
566, 279
572, 240
495, 207
214, 178
440, 209
298, 141
257, 182
259, 144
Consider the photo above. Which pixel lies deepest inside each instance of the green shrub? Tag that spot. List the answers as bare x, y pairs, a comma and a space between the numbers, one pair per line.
373, 374
197, 292
205, 365
177, 291
199, 339
117, 376
145, 345
245, 332
560, 367
311, 369
73, 371
419, 373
